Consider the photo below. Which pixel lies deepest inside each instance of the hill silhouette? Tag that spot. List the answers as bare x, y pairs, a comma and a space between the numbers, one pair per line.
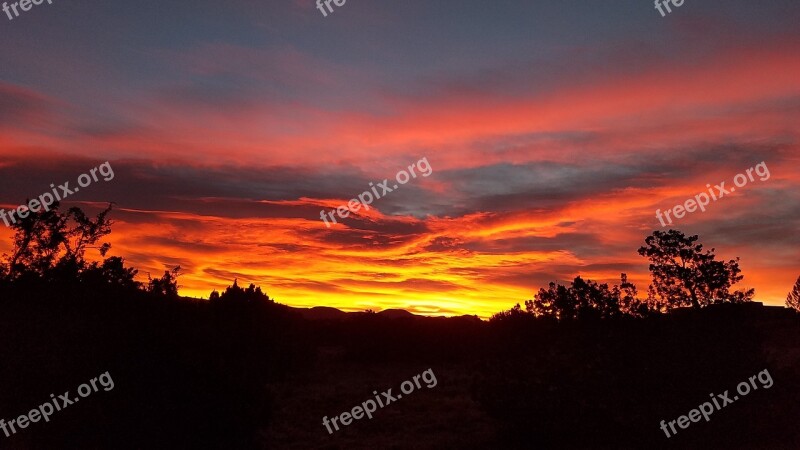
321, 313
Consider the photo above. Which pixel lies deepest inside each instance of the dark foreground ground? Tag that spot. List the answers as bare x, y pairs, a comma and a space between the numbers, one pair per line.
191, 375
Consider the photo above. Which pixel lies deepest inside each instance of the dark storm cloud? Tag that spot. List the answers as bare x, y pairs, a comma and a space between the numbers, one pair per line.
582, 244
235, 192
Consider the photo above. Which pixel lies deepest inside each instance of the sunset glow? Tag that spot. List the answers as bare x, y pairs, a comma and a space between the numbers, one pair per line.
549, 157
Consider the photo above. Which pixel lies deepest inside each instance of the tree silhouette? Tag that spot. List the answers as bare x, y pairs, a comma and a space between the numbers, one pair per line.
51, 245
586, 299
235, 295
595, 300
685, 275
629, 302
49, 255
166, 286
555, 301
112, 273
512, 314
793, 299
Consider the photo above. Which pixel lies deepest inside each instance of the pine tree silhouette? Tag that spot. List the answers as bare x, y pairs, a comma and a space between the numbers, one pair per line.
793, 299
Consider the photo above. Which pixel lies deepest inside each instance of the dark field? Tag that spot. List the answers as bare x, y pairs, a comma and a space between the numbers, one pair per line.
190, 374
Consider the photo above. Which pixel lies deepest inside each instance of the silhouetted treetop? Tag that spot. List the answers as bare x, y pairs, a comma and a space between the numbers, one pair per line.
51, 244
49, 253
586, 299
683, 274
236, 295
166, 286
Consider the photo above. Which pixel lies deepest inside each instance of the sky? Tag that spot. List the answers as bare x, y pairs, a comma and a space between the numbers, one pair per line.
553, 131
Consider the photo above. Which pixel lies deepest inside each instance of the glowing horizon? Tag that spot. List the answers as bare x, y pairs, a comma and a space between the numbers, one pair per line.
554, 135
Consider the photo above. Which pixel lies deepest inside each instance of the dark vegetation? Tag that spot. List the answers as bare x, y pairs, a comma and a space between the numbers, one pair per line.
581, 366
188, 374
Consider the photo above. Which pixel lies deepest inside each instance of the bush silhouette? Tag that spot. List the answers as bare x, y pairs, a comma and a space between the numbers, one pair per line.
166, 286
